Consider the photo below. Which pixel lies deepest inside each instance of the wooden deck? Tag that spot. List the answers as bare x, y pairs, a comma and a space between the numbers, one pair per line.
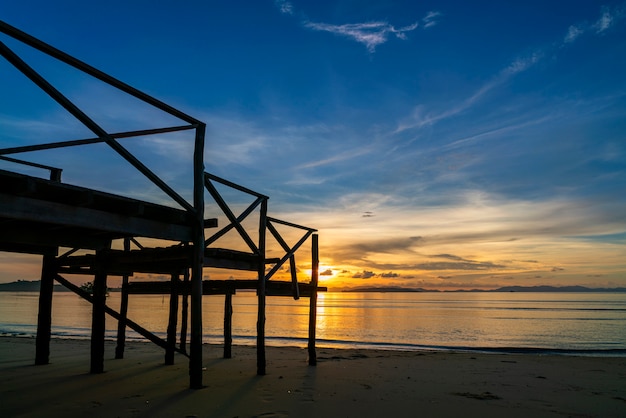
38, 214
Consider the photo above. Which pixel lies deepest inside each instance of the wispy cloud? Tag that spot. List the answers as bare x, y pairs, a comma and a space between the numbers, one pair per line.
572, 34
605, 21
348, 154
522, 64
284, 6
421, 118
370, 34
431, 19
608, 18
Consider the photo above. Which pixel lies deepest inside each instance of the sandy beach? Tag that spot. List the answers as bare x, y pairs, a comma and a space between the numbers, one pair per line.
345, 383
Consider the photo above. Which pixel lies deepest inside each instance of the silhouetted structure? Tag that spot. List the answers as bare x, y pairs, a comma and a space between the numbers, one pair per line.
40, 216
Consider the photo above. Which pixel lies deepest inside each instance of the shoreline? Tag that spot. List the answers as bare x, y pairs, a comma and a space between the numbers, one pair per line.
346, 382
353, 345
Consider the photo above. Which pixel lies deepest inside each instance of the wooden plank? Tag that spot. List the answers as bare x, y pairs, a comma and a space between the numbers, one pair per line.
222, 287
15, 247
38, 238
28, 209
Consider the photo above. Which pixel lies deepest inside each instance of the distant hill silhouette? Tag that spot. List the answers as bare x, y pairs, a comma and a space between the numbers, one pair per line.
558, 289
536, 289
27, 286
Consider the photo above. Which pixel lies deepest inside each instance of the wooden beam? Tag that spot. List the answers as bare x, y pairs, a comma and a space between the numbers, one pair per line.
94, 72
35, 210
131, 324
38, 238
234, 221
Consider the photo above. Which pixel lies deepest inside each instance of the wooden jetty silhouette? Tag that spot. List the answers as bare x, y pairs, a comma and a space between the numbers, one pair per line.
45, 216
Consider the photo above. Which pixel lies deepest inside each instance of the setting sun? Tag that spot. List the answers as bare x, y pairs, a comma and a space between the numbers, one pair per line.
327, 273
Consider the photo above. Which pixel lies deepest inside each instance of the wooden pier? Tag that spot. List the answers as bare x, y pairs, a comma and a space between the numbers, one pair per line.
81, 231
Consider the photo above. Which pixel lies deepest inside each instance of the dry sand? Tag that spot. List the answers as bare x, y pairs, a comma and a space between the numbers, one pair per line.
345, 383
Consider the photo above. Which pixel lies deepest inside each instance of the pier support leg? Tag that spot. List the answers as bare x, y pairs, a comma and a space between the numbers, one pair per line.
228, 324
313, 302
121, 323
260, 344
173, 321
184, 313
98, 317
44, 317
197, 262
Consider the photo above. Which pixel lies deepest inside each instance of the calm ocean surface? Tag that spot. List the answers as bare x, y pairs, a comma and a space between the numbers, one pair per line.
581, 323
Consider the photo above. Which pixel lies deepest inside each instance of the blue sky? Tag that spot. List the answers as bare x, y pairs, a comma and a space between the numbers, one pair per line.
442, 144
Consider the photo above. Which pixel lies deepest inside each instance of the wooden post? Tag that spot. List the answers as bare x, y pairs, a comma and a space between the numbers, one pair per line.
98, 317
184, 313
260, 344
313, 302
228, 323
173, 321
121, 324
197, 262
44, 317
294, 278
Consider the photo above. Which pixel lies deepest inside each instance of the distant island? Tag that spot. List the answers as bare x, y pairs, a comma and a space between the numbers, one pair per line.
527, 289
28, 286
33, 286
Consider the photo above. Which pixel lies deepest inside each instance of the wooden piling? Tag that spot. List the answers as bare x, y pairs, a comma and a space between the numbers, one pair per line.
313, 299
197, 262
184, 313
228, 324
121, 324
172, 322
44, 317
260, 344
98, 317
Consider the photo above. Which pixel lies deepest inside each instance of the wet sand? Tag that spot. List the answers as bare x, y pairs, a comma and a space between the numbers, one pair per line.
345, 383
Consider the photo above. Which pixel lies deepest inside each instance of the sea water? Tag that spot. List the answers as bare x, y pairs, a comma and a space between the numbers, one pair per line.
580, 323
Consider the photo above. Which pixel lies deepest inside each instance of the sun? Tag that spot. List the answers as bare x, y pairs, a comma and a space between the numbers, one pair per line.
327, 273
